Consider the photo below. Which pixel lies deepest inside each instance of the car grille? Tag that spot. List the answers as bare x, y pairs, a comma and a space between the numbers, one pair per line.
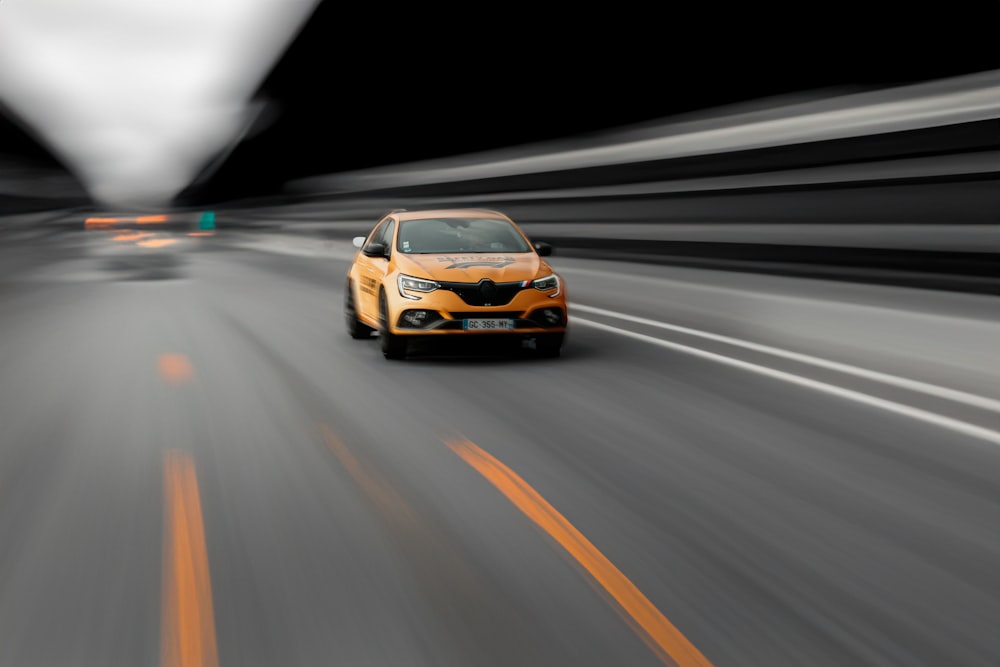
485, 292
510, 314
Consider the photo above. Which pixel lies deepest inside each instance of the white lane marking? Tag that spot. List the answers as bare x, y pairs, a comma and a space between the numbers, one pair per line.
905, 383
908, 411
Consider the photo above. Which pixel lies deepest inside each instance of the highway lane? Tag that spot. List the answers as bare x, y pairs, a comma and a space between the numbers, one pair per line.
199, 467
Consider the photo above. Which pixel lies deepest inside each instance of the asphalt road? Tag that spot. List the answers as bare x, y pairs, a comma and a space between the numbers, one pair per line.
199, 467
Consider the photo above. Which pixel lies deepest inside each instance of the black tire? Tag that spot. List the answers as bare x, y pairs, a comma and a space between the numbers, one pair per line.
549, 346
356, 328
393, 346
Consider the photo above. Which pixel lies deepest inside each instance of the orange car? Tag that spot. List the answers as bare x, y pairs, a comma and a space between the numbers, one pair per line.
454, 272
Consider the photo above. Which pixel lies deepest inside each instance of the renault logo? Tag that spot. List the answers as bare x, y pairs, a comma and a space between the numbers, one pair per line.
487, 291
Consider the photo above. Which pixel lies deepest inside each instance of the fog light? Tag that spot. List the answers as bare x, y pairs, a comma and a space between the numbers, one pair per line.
552, 315
415, 318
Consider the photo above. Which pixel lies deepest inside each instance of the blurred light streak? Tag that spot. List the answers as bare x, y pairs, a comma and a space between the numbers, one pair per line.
187, 621
669, 644
175, 368
936, 166
933, 418
150, 219
101, 222
133, 236
157, 243
963, 99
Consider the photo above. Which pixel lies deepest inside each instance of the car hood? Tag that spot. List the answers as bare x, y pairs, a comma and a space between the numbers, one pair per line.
471, 268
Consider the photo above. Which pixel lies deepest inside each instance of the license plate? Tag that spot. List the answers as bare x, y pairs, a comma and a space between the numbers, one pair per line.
487, 324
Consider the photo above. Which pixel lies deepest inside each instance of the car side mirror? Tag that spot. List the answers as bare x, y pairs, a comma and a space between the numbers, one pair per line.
358, 241
375, 250
544, 249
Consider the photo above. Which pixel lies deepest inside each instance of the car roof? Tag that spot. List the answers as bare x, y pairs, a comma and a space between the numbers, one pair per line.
450, 213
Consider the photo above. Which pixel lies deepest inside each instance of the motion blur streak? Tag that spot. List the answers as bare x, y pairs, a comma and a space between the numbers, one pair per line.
175, 368
964, 99
131, 237
892, 406
100, 222
915, 385
381, 494
658, 632
188, 623
157, 243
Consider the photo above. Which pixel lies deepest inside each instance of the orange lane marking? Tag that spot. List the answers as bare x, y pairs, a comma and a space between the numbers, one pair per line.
156, 243
383, 495
131, 236
187, 624
660, 635
150, 219
175, 368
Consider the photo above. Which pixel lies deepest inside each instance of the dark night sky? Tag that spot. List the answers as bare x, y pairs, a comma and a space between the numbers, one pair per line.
369, 85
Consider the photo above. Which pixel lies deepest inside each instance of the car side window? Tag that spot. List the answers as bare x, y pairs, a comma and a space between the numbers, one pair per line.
375, 233
383, 233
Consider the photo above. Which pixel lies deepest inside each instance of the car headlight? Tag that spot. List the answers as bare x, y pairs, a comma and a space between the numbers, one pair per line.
547, 283
410, 284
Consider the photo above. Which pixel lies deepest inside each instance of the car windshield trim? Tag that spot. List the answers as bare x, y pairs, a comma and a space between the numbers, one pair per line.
473, 235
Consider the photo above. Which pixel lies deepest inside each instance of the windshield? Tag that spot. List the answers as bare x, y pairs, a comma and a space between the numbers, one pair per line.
441, 235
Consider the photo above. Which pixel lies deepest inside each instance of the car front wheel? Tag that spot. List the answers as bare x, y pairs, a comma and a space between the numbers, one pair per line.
393, 346
355, 327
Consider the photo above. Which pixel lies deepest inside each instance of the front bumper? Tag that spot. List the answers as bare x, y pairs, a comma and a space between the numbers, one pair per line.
548, 319
443, 313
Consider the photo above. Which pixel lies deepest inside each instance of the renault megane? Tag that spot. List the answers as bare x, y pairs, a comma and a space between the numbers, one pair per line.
453, 272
